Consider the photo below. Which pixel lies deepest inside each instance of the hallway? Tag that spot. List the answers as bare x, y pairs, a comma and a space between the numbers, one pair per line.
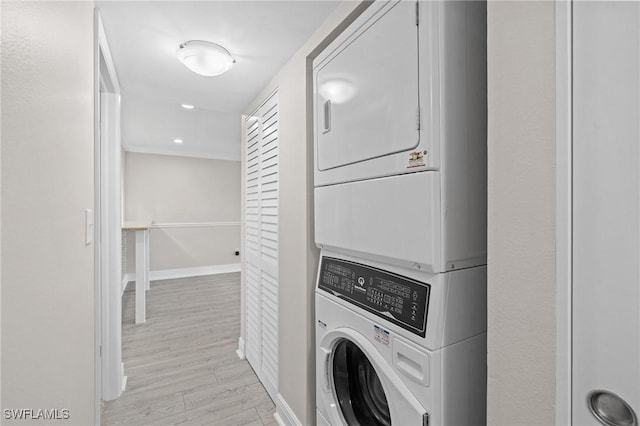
181, 364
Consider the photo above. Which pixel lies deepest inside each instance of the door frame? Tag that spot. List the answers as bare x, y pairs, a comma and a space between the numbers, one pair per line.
243, 245
110, 379
564, 211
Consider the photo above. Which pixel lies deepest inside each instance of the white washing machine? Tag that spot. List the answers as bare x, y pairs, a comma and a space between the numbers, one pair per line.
399, 347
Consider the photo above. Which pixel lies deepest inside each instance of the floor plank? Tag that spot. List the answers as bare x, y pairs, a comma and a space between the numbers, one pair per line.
181, 364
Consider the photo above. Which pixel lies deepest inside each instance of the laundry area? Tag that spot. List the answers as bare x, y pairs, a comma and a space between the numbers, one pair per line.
311, 212
400, 216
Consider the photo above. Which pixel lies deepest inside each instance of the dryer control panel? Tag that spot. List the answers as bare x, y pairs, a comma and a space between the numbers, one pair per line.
398, 299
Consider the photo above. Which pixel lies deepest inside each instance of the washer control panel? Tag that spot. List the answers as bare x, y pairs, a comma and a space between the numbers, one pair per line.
398, 299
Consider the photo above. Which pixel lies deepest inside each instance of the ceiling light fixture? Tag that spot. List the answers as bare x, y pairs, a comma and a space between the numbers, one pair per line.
187, 106
205, 58
177, 140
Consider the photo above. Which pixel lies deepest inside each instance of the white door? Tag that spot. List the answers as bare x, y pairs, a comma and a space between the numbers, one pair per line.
606, 213
366, 100
261, 242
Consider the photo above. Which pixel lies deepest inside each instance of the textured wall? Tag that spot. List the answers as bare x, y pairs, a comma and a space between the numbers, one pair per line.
47, 183
521, 221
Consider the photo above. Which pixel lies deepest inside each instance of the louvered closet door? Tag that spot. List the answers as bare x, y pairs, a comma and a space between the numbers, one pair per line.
261, 260
252, 243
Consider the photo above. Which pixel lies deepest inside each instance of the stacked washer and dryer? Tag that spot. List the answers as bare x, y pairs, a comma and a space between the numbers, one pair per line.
400, 217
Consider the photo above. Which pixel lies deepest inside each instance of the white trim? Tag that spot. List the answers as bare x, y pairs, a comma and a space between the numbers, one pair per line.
124, 380
267, 98
97, 287
170, 274
125, 144
108, 58
130, 147
284, 414
240, 350
107, 124
243, 242
563, 212
126, 279
194, 225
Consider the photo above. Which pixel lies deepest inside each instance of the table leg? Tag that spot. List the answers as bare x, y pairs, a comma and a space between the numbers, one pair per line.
147, 264
140, 276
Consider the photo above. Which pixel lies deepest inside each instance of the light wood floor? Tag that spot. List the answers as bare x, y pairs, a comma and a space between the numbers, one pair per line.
181, 364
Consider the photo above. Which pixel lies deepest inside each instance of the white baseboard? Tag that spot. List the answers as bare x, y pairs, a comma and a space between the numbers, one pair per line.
284, 414
124, 378
116, 386
170, 274
240, 350
126, 279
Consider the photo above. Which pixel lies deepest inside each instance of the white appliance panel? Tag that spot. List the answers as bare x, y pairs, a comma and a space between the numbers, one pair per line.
367, 91
396, 218
456, 308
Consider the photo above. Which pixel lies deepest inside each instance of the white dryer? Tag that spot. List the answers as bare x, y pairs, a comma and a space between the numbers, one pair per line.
399, 347
400, 135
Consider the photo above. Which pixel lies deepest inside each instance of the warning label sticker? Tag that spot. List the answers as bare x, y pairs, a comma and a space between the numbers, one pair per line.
381, 335
417, 159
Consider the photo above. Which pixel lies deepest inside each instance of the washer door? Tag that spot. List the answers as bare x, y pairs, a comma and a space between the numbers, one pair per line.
357, 384
358, 388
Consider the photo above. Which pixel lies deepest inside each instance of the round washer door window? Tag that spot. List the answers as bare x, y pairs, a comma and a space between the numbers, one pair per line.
358, 388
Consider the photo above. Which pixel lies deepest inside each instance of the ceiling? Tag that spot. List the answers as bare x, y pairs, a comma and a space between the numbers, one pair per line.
143, 37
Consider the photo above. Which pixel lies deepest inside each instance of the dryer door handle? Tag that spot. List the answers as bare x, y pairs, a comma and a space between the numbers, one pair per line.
327, 117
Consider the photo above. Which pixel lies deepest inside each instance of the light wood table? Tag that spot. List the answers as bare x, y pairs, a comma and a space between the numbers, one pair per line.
142, 265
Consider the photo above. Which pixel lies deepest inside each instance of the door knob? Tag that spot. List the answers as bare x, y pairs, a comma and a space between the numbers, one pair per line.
610, 409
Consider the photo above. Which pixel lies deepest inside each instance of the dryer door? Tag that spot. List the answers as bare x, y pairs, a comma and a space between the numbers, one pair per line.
367, 90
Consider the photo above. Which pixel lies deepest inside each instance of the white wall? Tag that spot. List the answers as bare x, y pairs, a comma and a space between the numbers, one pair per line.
171, 189
297, 252
521, 220
47, 183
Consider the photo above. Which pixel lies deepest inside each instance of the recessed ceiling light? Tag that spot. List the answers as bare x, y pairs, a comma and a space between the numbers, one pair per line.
187, 106
177, 140
205, 58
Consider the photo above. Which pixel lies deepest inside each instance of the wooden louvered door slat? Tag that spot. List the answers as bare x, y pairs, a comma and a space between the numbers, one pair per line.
261, 241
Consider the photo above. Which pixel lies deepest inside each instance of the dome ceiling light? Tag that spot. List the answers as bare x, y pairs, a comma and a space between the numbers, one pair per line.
205, 58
